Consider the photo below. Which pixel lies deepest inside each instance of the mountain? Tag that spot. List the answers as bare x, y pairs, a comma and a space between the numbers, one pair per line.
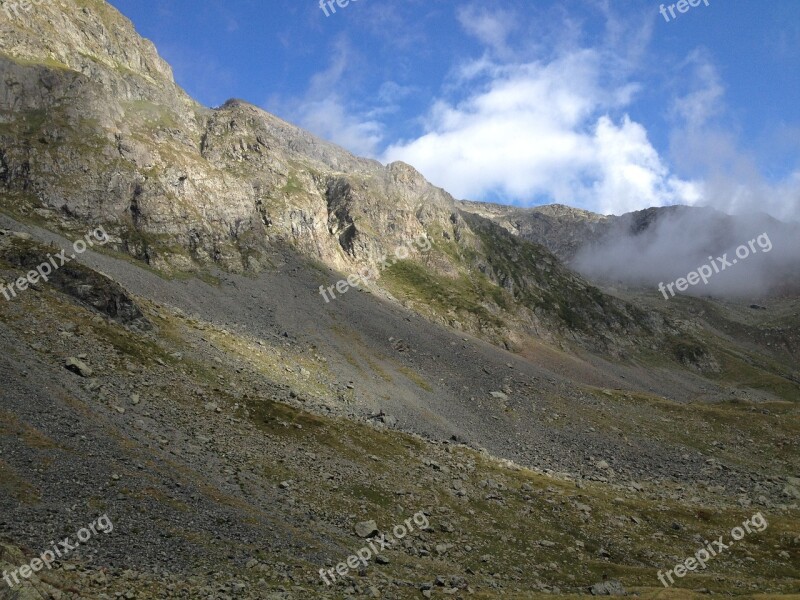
199, 370
561, 229
647, 247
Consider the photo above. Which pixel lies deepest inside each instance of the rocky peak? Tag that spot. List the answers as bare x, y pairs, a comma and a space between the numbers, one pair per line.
81, 36
244, 120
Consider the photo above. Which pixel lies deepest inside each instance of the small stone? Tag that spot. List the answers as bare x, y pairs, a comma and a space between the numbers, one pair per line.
366, 529
99, 578
611, 587
389, 421
76, 365
790, 491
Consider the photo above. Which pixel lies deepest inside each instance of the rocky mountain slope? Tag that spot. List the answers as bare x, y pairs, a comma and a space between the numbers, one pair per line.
188, 379
561, 229
112, 140
236, 444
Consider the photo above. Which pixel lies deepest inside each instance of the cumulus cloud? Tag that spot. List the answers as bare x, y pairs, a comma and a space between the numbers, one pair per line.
648, 249
543, 131
544, 115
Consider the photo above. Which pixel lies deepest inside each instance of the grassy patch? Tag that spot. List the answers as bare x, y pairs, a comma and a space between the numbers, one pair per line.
410, 280
416, 378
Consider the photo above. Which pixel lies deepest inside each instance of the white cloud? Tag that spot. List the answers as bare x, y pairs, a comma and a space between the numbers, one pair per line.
703, 145
491, 28
326, 113
632, 175
705, 99
544, 132
329, 119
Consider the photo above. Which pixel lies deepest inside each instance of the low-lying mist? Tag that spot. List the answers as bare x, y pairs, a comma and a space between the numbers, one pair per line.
655, 246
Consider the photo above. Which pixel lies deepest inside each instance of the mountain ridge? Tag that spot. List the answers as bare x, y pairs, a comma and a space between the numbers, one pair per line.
181, 187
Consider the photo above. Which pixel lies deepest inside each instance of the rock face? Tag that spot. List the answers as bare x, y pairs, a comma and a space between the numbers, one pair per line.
561, 229
101, 134
608, 588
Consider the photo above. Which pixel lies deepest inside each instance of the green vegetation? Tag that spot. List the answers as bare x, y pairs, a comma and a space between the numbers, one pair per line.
45, 62
154, 116
408, 279
687, 351
537, 281
293, 185
745, 373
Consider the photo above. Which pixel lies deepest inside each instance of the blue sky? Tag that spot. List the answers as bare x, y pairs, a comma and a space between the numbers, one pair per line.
597, 104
